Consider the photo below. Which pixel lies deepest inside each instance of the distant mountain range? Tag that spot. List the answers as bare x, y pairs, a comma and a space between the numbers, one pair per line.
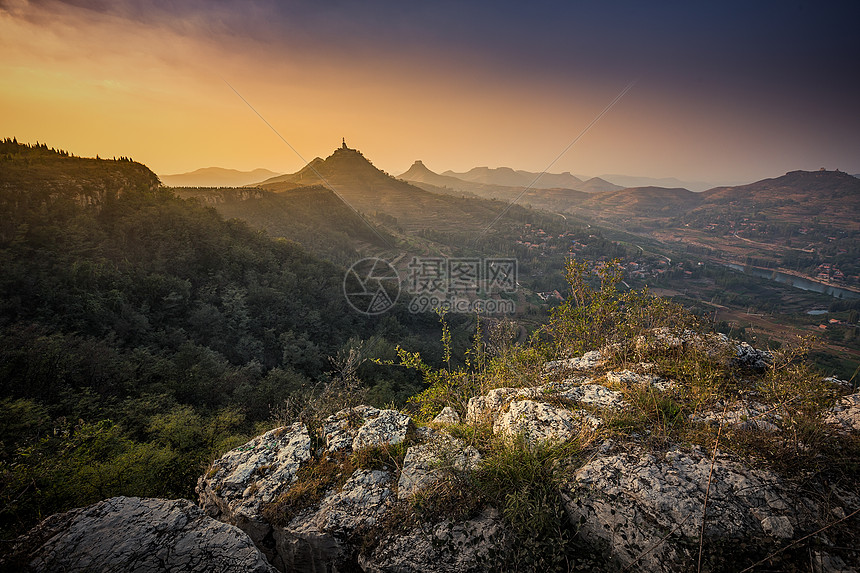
373, 192
502, 181
422, 199
797, 196
216, 177
510, 178
669, 182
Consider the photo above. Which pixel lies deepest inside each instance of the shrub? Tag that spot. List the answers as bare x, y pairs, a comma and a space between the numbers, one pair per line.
446, 386
593, 318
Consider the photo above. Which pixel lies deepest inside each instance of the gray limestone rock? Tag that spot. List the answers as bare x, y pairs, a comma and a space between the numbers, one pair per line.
316, 541
541, 422
364, 426
448, 547
593, 395
361, 501
243, 482
446, 417
388, 427
748, 357
845, 415
646, 508
239, 483
587, 361
137, 534
428, 463
490, 406
629, 378
340, 429
740, 415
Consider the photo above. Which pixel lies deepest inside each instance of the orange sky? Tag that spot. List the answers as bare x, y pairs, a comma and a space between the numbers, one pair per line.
145, 81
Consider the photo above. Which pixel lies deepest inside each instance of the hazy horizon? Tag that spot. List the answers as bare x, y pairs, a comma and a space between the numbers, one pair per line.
450, 172
722, 93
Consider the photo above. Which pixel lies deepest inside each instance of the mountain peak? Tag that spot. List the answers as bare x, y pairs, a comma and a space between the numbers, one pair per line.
344, 166
418, 172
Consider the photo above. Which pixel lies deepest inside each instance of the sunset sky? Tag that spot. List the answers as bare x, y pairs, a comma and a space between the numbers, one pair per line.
724, 91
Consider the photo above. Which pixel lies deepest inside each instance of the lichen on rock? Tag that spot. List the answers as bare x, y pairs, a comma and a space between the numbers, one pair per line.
542, 422
136, 534
428, 463
845, 415
242, 480
647, 507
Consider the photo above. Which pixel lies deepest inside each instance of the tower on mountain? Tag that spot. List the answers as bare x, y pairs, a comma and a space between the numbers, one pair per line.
344, 144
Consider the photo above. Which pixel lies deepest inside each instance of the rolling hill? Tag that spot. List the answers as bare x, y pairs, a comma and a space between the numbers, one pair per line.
670, 182
649, 201
797, 196
217, 177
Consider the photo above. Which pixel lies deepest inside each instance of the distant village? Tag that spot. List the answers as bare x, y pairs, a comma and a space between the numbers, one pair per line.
540, 243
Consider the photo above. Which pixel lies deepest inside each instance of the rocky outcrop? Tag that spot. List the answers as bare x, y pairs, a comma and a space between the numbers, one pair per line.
317, 540
239, 483
646, 508
355, 490
845, 415
429, 463
485, 409
386, 427
576, 391
243, 482
136, 534
740, 415
448, 547
590, 394
542, 422
363, 426
645, 381
587, 361
446, 417
736, 354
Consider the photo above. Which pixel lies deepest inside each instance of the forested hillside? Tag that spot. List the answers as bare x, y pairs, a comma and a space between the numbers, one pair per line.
141, 334
313, 216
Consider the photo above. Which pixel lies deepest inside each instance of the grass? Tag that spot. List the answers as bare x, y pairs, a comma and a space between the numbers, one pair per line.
384, 457
313, 481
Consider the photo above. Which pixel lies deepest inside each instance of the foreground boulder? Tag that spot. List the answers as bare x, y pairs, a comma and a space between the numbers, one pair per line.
646, 508
428, 463
136, 534
238, 484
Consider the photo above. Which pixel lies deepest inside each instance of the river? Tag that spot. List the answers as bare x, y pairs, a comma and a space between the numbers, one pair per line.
795, 281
